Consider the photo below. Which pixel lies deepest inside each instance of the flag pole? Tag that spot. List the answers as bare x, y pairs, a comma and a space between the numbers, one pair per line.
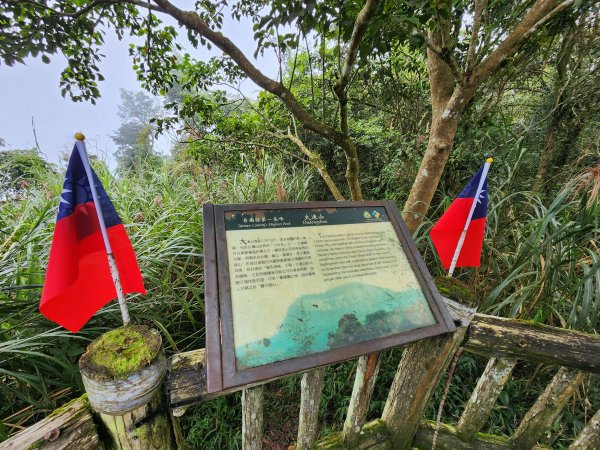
80, 144
463, 235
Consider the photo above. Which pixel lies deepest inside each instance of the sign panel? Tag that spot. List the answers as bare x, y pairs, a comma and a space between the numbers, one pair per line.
302, 285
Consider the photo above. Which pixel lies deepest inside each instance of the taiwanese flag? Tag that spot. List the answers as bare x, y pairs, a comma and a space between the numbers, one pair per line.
78, 279
446, 233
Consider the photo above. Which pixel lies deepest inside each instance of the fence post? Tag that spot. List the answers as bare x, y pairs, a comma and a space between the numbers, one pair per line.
364, 383
311, 388
478, 409
547, 407
589, 438
422, 366
123, 372
252, 418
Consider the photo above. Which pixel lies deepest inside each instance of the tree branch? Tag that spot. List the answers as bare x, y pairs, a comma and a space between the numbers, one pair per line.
193, 21
314, 159
479, 7
444, 54
360, 27
87, 8
198, 137
317, 163
539, 14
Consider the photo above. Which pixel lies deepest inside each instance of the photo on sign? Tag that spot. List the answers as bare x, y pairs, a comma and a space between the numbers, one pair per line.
308, 281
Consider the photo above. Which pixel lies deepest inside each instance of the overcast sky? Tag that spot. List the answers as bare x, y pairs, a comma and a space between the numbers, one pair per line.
32, 91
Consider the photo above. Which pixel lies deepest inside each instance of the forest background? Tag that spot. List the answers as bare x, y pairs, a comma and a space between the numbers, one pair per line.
373, 100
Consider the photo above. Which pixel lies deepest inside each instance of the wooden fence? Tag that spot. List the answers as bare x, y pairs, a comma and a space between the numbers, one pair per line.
401, 426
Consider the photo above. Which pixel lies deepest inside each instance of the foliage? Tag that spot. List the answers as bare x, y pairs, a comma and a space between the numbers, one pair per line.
20, 170
553, 256
135, 135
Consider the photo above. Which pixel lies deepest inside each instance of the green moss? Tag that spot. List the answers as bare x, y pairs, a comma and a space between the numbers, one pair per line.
374, 432
456, 290
121, 352
67, 406
531, 323
450, 429
493, 438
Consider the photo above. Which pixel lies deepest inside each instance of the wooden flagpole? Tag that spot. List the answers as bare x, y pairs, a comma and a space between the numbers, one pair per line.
463, 235
80, 144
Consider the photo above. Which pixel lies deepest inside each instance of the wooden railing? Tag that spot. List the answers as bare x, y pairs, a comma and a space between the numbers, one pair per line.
504, 341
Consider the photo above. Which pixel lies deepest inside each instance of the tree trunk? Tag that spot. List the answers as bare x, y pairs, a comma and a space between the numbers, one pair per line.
574, 127
448, 101
557, 115
432, 166
546, 155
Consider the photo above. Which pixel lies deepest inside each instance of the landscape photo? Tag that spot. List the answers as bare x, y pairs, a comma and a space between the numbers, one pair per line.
345, 315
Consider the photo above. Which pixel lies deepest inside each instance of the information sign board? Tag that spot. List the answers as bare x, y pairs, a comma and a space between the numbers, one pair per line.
292, 286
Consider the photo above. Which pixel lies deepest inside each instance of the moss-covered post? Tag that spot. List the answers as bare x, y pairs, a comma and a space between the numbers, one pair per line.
123, 372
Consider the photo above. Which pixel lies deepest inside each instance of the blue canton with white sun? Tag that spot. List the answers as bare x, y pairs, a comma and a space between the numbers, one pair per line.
471, 189
76, 191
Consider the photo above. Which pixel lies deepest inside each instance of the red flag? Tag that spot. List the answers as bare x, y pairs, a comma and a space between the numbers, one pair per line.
78, 279
446, 233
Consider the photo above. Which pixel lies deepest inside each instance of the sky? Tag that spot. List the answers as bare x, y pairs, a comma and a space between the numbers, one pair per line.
31, 92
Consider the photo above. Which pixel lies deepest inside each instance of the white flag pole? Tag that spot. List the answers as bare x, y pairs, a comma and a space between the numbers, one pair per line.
463, 235
80, 144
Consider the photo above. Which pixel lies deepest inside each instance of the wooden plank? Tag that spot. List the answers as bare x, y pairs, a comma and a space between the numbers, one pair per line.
311, 388
364, 383
589, 438
484, 396
547, 407
419, 372
252, 418
186, 382
496, 336
70, 427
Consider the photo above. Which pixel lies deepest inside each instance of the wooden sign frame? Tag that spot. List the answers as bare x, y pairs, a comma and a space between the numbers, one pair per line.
222, 371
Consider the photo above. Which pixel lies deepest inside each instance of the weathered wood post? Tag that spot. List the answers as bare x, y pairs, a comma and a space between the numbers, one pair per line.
123, 372
364, 384
483, 398
420, 370
311, 387
253, 400
589, 438
547, 407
